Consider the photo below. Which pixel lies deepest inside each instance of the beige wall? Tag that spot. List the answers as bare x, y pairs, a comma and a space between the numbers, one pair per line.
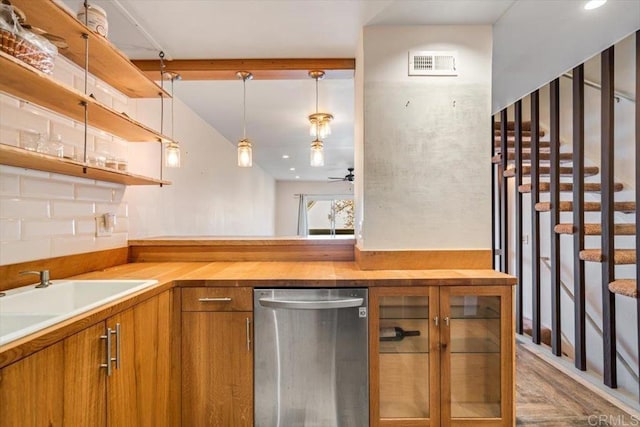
425, 145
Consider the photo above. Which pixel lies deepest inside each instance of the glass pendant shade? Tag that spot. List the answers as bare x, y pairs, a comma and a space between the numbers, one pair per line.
172, 155
244, 153
317, 153
320, 125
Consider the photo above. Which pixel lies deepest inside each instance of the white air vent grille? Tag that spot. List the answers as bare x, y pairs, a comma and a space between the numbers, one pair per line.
433, 63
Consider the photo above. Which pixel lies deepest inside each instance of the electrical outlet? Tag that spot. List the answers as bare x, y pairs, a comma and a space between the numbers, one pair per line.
101, 230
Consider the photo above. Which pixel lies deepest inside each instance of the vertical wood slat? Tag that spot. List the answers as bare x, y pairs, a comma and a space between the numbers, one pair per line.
535, 217
580, 359
504, 196
518, 212
608, 267
493, 193
554, 190
637, 107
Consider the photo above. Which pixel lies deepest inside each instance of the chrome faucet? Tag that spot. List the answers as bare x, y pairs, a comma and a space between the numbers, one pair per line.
44, 277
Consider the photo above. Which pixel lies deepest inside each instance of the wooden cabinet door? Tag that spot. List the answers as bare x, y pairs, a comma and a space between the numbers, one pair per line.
32, 390
404, 373
217, 369
138, 392
85, 381
477, 356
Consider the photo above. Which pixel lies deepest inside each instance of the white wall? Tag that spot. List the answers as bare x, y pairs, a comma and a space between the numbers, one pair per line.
209, 195
425, 141
45, 215
536, 41
287, 201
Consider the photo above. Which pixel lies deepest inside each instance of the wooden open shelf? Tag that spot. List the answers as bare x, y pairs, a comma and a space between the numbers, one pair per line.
19, 157
25, 82
105, 60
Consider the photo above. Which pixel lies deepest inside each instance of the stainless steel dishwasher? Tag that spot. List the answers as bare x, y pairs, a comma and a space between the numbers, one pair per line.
311, 358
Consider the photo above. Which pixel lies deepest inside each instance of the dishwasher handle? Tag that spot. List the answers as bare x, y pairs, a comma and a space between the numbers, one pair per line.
312, 304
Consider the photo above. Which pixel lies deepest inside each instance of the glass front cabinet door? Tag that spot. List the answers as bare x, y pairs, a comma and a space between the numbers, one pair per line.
442, 356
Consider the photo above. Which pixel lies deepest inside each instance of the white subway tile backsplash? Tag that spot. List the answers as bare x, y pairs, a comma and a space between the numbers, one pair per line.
8, 100
21, 119
32, 229
85, 226
86, 192
27, 250
72, 179
116, 240
47, 114
61, 246
69, 134
63, 209
9, 136
120, 209
9, 184
34, 187
9, 230
15, 208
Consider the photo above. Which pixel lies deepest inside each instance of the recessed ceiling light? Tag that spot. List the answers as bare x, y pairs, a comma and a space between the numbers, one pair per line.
292, 169
594, 4
297, 176
285, 156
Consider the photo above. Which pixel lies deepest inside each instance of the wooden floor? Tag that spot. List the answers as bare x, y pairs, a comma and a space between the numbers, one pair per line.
547, 397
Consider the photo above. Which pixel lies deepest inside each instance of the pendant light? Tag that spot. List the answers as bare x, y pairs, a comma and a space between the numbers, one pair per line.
244, 145
172, 149
317, 153
320, 122
319, 126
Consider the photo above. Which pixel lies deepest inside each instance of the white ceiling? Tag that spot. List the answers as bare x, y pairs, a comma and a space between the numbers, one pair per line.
276, 110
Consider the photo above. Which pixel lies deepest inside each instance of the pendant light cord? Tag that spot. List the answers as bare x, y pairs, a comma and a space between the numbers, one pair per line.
172, 97
244, 107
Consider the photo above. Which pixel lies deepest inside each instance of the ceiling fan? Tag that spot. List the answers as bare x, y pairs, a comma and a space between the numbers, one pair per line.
348, 177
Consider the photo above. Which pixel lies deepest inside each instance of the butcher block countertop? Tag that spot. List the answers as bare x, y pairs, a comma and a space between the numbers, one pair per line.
240, 274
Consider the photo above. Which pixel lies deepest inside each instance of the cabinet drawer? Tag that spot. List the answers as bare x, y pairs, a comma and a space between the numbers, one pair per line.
217, 299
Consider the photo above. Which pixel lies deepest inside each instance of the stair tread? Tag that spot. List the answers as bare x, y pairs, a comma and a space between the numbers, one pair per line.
512, 132
626, 287
588, 206
544, 157
525, 143
511, 125
620, 256
568, 186
596, 229
546, 170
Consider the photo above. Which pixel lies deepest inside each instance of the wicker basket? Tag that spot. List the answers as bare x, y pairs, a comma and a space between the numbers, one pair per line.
16, 46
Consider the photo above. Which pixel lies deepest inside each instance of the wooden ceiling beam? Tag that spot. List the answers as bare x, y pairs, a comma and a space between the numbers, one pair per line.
262, 69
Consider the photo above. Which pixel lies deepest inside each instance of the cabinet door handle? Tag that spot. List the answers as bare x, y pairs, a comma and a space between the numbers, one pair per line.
116, 332
436, 320
107, 338
222, 299
248, 334
446, 320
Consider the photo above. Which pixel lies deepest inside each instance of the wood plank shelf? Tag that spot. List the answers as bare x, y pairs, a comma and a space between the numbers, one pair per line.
25, 82
19, 157
105, 60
